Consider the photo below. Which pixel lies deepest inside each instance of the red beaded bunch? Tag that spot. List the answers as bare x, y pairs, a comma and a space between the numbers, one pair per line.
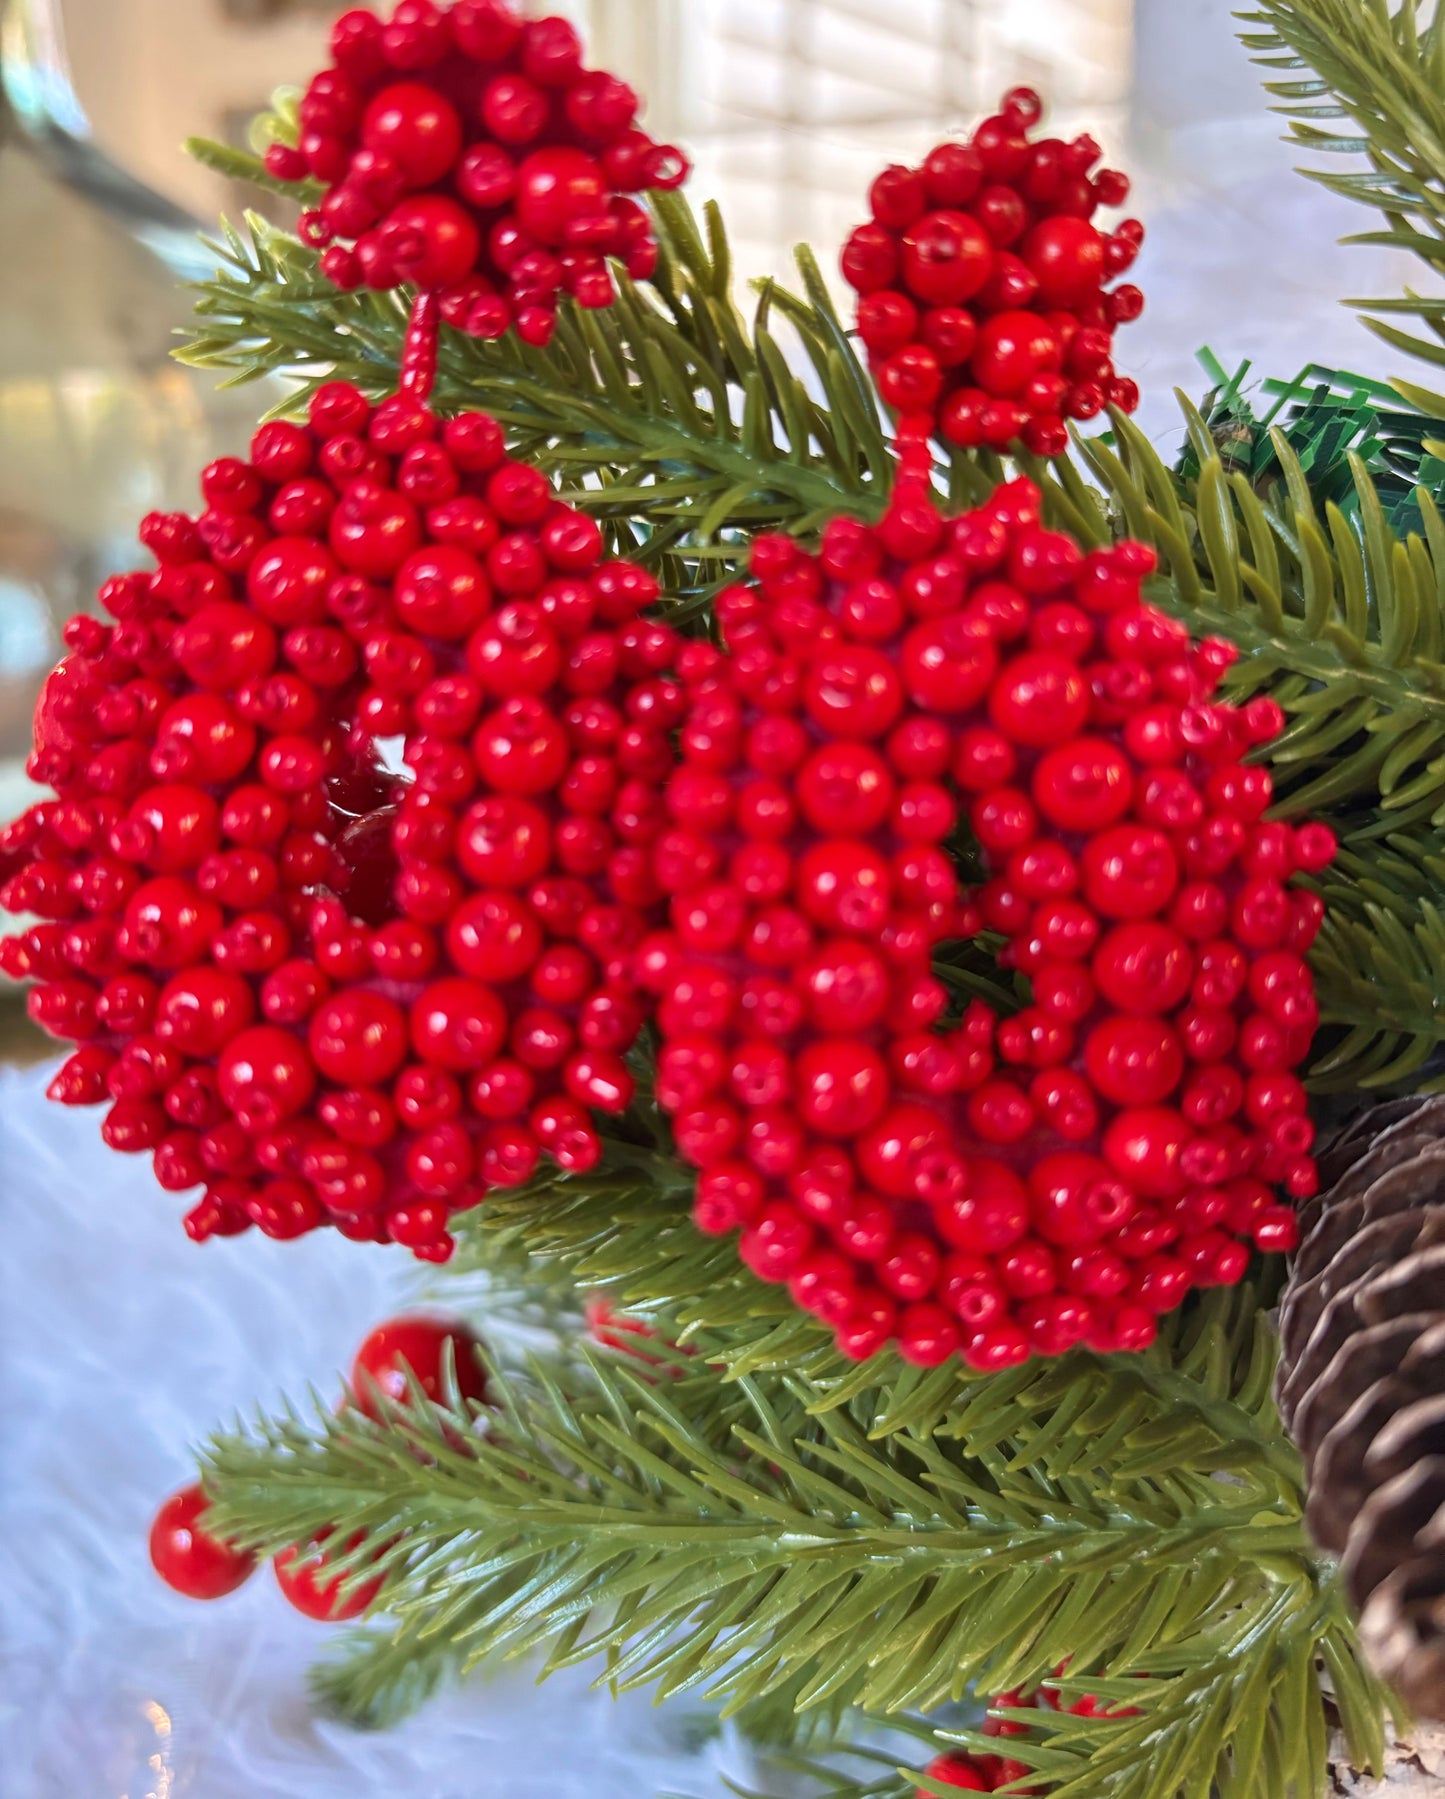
468, 153
331, 995
915, 1167
981, 278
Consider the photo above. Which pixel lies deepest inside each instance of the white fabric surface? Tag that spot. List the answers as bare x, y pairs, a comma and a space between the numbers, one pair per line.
121, 1343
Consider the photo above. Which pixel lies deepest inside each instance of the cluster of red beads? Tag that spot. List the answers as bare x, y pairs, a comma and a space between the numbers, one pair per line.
995, 1773
469, 153
919, 1168
981, 279
328, 994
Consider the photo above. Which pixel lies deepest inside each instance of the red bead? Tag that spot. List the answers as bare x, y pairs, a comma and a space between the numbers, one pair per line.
842, 1086
1143, 967
1134, 1061
946, 258
1040, 700
266, 1076
457, 1024
1066, 256
187, 1557
417, 1350
306, 1575
1129, 872
417, 128
1013, 348
1083, 786
1144, 1146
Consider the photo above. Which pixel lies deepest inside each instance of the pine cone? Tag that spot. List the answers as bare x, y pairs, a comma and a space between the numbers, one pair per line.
1361, 1384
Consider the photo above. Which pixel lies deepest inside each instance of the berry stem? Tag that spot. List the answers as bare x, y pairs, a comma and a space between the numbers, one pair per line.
418, 367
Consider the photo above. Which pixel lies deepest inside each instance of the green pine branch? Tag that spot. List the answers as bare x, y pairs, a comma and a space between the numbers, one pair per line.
675, 420
687, 1531
1358, 79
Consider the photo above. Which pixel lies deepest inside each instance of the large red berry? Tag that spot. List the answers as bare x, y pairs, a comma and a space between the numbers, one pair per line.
417, 1349
185, 1554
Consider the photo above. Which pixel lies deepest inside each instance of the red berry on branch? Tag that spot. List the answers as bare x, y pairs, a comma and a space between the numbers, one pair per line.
186, 1555
959, 1771
307, 1575
417, 1350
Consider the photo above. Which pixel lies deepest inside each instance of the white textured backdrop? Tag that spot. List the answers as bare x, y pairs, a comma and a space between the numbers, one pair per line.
121, 1344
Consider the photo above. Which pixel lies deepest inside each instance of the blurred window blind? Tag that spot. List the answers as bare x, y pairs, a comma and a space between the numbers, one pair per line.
791, 106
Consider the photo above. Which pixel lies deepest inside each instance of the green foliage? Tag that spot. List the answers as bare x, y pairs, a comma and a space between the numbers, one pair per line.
1326, 416
689, 1527
681, 425
1360, 79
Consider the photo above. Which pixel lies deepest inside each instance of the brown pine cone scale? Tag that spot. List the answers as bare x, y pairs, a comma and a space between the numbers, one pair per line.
1361, 1383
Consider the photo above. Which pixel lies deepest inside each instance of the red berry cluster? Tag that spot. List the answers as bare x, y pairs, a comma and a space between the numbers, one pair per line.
199, 1565
469, 153
995, 1773
329, 995
981, 279
914, 1166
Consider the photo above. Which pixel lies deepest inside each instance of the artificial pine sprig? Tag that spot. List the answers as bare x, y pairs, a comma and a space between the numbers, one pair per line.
1326, 415
1381, 72
693, 1531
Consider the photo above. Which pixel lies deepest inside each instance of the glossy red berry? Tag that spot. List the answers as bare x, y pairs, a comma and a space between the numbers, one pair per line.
186, 1555
307, 1575
417, 1350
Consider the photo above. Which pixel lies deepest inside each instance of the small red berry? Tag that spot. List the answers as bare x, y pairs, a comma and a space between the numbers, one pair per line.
417, 1349
187, 1557
305, 1574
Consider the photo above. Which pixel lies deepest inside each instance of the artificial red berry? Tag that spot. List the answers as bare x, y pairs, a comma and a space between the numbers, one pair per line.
306, 1574
185, 1554
282, 956
416, 1350
955, 1771
473, 156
